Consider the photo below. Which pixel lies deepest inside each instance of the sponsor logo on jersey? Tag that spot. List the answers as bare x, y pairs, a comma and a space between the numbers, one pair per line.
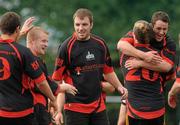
90, 56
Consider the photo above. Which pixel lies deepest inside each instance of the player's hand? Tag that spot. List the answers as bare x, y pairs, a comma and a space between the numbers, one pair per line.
53, 105
123, 91
172, 99
58, 118
133, 63
152, 57
28, 24
68, 88
50, 109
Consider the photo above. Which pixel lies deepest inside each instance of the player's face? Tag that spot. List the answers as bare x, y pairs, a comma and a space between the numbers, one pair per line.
160, 29
41, 44
82, 28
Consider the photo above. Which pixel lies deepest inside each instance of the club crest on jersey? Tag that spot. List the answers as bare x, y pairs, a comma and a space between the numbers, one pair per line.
90, 56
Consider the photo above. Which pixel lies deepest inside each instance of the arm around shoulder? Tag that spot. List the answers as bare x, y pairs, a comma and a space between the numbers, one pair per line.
129, 49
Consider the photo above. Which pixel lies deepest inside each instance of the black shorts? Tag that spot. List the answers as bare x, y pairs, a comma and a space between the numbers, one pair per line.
41, 115
76, 118
155, 121
27, 120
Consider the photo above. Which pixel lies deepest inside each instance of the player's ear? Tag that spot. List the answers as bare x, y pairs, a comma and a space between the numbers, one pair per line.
17, 29
91, 25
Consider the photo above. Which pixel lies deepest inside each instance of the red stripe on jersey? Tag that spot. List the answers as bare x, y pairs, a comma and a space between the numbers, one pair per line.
68, 79
39, 98
23, 113
17, 52
164, 41
169, 51
26, 82
58, 74
145, 115
40, 78
6, 40
70, 44
102, 43
121, 59
86, 108
107, 69
167, 59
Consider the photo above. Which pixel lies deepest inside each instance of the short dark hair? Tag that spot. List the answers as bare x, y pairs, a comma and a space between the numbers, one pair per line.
9, 22
160, 15
83, 12
143, 31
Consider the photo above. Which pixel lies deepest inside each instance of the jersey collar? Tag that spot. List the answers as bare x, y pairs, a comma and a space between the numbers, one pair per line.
6, 40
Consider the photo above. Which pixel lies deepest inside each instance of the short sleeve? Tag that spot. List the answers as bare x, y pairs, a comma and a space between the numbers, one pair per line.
128, 38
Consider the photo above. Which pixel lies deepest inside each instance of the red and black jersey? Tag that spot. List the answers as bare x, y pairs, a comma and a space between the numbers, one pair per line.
167, 43
38, 96
166, 48
82, 64
15, 97
145, 96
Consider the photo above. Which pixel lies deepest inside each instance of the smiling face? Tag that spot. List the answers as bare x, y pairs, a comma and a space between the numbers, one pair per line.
83, 23
40, 44
82, 28
37, 41
160, 22
160, 29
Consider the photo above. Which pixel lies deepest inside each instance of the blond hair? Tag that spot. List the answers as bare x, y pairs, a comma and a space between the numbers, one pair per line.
34, 33
143, 31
